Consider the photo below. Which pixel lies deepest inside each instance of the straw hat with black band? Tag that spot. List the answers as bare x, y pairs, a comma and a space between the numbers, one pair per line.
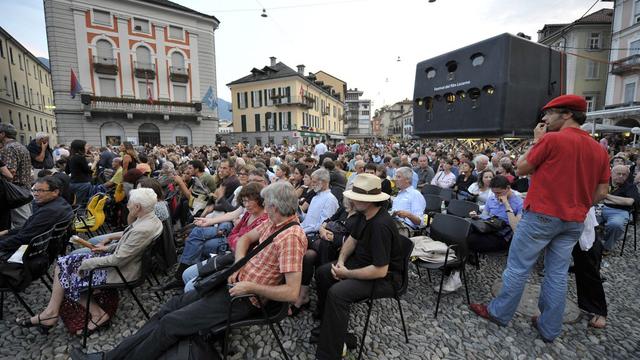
366, 188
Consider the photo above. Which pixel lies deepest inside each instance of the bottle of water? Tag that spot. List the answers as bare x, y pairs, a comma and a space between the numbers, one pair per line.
443, 208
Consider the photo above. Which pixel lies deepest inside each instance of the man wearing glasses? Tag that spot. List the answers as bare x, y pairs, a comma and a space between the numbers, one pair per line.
49, 208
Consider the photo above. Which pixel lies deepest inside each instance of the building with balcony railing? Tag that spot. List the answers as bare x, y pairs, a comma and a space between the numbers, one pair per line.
624, 70
358, 115
144, 68
276, 104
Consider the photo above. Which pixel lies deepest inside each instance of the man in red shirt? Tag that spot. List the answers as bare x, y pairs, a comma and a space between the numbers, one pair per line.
569, 173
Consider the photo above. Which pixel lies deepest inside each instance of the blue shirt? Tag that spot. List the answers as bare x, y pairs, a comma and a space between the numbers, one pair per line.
322, 207
414, 179
494, 207
410, 200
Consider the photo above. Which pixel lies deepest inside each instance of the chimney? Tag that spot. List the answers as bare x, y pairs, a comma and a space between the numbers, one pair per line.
301, 70
273, 61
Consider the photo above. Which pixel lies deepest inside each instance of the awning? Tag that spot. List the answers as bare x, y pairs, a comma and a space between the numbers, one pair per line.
605, 128
337, 137
614, 113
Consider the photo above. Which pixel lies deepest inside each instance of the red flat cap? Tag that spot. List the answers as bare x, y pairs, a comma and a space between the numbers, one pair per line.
569, 101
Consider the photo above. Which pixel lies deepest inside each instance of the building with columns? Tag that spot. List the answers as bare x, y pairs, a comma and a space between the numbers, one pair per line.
147, 69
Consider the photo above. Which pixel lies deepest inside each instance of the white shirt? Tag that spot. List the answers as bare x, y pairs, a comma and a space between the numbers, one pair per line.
410, 200
322, 207
320, 149
445, 181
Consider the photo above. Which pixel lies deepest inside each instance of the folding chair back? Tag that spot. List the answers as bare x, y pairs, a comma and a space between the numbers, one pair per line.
38, 245
429, 189
407, 248
452, 230
462, 208
446, 195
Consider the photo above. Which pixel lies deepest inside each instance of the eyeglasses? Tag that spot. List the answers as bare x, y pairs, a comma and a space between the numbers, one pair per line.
242, 174
36, 191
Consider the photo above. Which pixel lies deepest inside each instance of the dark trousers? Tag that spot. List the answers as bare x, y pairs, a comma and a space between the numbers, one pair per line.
484, 243
334, 302
591, 296
182, 316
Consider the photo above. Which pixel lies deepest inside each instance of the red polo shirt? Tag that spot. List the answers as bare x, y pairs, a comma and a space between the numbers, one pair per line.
569, 165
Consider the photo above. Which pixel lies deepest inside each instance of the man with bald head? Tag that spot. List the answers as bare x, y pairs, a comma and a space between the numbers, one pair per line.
621, 199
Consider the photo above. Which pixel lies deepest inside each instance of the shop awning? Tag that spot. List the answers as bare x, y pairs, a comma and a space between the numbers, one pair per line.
337, 137
614, 113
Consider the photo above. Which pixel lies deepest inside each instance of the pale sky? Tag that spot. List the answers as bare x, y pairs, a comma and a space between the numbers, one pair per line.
357, 41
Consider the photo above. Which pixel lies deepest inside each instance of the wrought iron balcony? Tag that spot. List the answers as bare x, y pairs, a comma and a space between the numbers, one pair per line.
179, 74
133, 106
144, 70
105, 65
627, 65
293, 101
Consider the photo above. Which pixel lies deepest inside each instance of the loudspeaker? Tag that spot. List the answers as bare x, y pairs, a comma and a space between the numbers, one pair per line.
495, 87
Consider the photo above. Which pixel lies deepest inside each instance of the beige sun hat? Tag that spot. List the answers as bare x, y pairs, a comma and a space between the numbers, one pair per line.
367, 188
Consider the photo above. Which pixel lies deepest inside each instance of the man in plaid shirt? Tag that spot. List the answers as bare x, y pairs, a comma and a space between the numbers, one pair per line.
263, 276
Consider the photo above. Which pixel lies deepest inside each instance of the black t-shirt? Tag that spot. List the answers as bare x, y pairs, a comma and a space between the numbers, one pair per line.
386, 186
378, 243
464, 185
230, 184
78, 169
628, 190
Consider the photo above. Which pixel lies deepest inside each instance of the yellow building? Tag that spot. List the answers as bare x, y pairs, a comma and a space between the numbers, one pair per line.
279, 105
26, 98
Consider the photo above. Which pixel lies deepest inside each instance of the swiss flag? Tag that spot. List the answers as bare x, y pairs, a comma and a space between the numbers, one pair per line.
149, 91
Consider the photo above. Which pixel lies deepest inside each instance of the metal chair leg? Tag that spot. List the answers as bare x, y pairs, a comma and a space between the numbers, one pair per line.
439, 295
275, 334
152, 285
280, 328
45, 283
404, 327
87, 316
1, 305
466, 288
366, 327
133, 294
24, 304
624, 238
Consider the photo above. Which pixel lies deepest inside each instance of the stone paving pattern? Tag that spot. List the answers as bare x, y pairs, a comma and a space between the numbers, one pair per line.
456, 334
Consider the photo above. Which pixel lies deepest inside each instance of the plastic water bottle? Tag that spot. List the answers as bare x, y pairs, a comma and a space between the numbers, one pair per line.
443, 208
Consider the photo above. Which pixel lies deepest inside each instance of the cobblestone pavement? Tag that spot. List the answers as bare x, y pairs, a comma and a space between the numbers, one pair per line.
455, 334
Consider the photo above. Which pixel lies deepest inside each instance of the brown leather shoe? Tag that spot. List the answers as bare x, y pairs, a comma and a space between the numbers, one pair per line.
483, 311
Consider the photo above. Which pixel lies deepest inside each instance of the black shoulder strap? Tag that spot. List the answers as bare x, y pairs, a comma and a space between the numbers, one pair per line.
240, 263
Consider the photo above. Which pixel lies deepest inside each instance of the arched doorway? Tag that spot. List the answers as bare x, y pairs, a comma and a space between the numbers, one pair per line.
628, 122
182, 135
148, 134
111, 133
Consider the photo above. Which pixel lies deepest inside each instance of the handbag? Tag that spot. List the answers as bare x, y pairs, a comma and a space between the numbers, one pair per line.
215, 264
487, 226
15, 196
206, 284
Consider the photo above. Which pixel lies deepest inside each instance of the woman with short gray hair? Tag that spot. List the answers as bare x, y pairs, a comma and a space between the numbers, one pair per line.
282, 196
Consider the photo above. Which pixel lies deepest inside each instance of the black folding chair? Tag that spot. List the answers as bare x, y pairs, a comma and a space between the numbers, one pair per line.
452, 231
429, 189
34, 258
433, 206
145, 269
271, 313
447, 195
407, 249
632, 221
462, 208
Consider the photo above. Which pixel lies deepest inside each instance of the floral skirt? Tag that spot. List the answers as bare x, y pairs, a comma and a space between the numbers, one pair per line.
71, 282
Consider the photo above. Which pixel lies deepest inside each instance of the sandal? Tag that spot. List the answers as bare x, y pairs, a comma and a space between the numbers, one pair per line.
294, 310
598, 322
104, 325
42, 328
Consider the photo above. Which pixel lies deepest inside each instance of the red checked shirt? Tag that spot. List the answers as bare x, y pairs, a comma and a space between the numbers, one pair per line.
284, 255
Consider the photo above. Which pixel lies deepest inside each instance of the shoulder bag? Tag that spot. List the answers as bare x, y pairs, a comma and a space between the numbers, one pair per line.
206, 284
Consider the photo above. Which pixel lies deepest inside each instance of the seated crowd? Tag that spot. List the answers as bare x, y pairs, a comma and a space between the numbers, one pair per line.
348, 208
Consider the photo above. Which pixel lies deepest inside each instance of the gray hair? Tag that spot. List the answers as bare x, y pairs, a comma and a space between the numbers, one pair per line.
8, 130
145, 197
405, 172
282, 196
477, 159
322, 175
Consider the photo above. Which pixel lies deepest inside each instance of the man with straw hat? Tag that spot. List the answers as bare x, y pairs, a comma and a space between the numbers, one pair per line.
371, 254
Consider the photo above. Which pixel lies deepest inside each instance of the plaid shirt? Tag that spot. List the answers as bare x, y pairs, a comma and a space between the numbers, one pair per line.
284, 255
17, 158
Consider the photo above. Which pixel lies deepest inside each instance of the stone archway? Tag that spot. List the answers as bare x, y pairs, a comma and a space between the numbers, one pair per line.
111, 133
148, 134
628, 122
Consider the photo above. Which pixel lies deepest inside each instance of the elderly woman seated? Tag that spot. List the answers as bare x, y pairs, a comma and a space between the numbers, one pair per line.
208, 238
71, 273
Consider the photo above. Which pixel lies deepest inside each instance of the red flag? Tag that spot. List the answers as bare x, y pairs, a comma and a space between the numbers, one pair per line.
75, 85
301, 92
149, 91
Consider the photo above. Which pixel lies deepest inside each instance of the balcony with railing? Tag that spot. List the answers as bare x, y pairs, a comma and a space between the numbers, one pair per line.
281, 101
626, 65
139, 106
105, 65
179, 74
144, 70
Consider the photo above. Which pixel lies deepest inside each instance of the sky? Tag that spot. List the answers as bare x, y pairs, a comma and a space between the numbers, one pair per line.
357, 41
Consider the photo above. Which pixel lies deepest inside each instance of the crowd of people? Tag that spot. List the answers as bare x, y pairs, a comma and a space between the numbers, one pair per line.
335, 213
